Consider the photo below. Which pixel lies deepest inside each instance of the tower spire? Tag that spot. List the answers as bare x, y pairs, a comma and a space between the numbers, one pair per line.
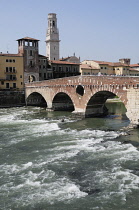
52, 38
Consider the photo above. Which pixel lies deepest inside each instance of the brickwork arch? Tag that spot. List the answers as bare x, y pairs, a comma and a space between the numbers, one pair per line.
62, 90
126, 88
95, 91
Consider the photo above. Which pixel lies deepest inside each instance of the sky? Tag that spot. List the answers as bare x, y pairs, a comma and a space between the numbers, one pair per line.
104, 30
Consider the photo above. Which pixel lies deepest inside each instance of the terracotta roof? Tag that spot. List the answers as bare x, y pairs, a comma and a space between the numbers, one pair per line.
111, 63
104, 62
63, 62
28, 38
132, 69
87, 66
120, 64
10, 55
42, 56
134, 65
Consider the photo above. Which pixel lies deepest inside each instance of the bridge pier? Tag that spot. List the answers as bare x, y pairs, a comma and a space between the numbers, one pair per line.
133, 106
79, 111
96, 111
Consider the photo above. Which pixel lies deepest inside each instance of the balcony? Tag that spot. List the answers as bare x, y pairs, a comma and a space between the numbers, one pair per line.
10, 71
11, 78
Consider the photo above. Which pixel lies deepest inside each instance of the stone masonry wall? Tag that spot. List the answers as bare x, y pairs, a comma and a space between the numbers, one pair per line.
12, 98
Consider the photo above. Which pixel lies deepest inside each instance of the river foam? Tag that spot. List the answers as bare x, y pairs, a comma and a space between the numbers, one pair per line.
44, 161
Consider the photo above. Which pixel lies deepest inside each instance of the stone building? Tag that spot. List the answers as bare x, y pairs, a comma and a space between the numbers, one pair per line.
45, 70
29, 49
64, 69
92, 67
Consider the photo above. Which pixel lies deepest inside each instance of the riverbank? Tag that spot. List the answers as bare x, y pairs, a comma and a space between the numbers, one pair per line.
10, 99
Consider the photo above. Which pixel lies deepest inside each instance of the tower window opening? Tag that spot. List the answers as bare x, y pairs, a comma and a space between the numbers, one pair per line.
26, 43
53, 23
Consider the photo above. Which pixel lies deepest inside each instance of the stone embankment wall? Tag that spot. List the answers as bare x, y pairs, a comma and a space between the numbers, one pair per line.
12, 98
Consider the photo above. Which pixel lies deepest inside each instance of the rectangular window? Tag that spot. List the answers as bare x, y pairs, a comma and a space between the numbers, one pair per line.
10, 69
2, 82
31, 63
14, 77
7, 69
7, 85
13, 69
13, 60
44, 75
31, 53
7, 60
20, 76
14, 85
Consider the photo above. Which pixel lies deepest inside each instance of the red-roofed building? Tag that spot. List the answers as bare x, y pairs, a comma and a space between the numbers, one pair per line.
93, 67
64, 68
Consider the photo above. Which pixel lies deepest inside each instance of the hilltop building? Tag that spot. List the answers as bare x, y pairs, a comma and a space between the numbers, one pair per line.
72, 59
123, 67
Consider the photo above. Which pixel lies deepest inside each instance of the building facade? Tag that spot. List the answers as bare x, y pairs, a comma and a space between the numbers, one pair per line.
64, 69
45, 70
52, 38
11, 71
91, 67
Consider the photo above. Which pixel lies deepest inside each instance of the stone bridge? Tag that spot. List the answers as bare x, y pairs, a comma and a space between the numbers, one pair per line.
86, 95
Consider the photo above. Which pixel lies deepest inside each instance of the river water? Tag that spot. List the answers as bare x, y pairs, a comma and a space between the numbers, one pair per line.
78, 164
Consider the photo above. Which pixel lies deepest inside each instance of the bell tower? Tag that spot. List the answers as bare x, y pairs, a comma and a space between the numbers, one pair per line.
52, 38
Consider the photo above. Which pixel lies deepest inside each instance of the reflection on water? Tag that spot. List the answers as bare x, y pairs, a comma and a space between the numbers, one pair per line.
117, 108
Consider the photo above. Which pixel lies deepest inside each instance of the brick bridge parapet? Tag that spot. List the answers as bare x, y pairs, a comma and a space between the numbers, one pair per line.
125, 87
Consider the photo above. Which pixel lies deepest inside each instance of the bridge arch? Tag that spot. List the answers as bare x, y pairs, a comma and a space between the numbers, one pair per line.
95, 105
36, 99
62, 102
